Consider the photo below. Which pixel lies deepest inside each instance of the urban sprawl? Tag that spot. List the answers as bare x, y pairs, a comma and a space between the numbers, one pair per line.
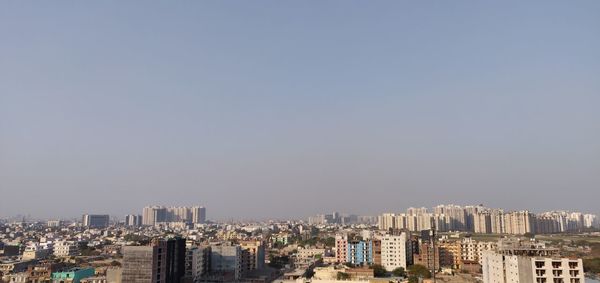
446, 243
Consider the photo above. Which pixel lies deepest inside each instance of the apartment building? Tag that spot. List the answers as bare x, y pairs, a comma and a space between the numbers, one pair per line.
393, 251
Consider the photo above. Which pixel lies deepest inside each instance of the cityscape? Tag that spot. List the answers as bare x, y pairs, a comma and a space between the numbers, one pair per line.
300, 141
447, 243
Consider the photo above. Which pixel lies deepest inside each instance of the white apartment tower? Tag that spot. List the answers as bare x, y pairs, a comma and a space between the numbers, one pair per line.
393, 251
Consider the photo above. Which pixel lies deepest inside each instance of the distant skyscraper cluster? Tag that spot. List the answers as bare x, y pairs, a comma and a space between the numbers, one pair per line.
154, 215
480, 219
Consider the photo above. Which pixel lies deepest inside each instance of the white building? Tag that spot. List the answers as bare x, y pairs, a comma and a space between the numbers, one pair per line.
393, 251
529, 262
65, 249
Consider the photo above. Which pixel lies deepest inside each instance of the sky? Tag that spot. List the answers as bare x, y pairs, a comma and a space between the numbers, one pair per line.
276, 109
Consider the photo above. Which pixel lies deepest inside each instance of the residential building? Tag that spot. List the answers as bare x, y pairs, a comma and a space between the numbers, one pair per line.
393, 251
73, 275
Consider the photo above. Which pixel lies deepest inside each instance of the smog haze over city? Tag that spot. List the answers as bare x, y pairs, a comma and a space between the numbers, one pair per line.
286, 109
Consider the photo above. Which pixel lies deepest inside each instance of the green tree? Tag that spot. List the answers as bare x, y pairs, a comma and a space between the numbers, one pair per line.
419, 271
399, 272
378, 270
343, 276
329, 242
591, 265
413, 279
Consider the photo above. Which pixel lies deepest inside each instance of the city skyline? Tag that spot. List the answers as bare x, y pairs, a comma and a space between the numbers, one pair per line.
287, 110
193, 215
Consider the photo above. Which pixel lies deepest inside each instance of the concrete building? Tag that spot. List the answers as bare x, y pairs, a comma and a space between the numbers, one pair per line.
519, 222
133, 220
36, 252
393, 251
95, 220
153, 215
226, 261
54, 223
197, 263
73, 275
198, 214
449, 254
160, 262
530, 266
255, 256
66, 249
341, 247
359, 252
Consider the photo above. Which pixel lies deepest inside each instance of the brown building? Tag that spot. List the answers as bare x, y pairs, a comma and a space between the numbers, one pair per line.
377, 251
427, 257
450, 254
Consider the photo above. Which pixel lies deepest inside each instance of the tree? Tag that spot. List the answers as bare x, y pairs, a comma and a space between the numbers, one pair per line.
329, 242
343, 276
419, 271
399, 272
378, 270
413, 279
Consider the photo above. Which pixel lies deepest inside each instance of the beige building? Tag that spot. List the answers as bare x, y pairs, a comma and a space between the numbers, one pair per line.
516, 261
393, 251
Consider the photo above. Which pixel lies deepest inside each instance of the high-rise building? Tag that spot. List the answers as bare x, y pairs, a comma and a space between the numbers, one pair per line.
226, 261
387, 221
163, 261
341, 247
133, 220
197, 261
198, 214
519, 222
393, 251
95, 220
153, 215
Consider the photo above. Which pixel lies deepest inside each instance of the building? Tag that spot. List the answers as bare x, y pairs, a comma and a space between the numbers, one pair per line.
393, 251
35, 252
175, 259
95, 220
427, 256
163, 261
359, 252
253, 257
387, 221
54, 223
519, 222
530, 264
376, 251
133, 220
198, 214
197, 263
73, 275
449, 254
226, 261
153, 215
471, 250
66, 249
341, 247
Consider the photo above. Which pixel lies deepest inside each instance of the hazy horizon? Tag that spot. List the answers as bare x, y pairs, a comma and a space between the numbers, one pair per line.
271, 109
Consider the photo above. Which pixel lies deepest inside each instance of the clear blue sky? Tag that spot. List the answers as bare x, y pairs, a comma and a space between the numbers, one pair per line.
292, 108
